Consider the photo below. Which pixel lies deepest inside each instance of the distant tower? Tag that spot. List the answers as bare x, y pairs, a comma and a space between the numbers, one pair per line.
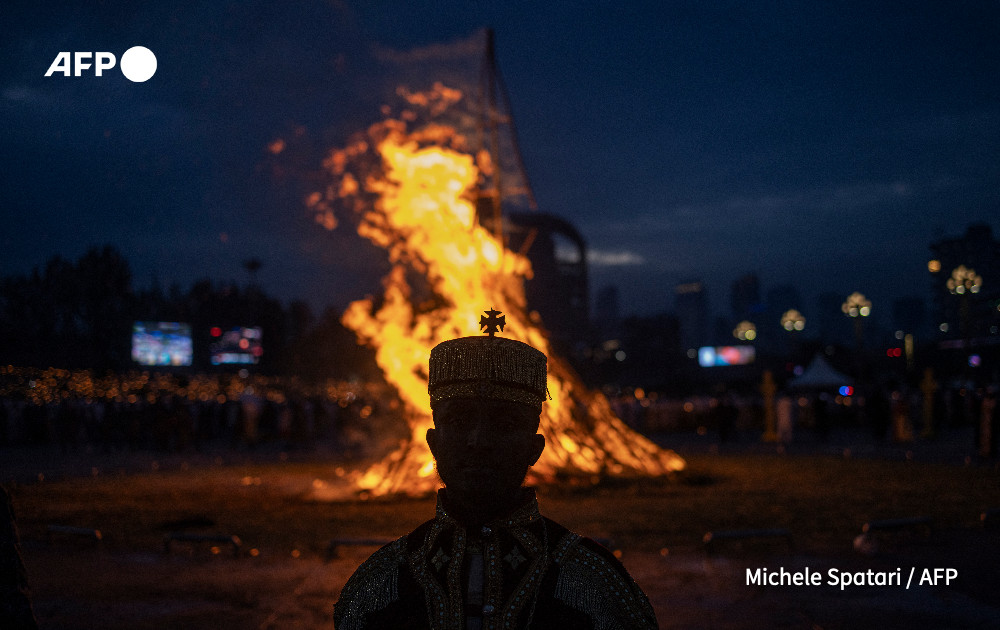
777, 301
506, 206
253, 265
505, 184
832, 326
909, 314
976, 250
607, 312
745, 298
558, 289
783, 297
691, 305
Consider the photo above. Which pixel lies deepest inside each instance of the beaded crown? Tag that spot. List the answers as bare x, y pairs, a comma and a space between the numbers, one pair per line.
487, 367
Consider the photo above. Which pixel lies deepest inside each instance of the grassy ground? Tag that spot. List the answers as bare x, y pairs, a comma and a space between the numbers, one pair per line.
284, 579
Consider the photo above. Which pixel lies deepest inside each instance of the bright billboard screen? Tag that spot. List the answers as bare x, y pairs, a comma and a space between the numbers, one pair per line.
240, 345
161, 343
709, 356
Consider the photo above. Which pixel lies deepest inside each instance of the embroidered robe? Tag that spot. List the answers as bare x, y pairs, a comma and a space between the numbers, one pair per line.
533, 571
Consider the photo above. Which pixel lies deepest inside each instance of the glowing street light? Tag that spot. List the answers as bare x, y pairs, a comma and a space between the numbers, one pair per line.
793, 320
857, 305
745, 331
963, 283
964, 280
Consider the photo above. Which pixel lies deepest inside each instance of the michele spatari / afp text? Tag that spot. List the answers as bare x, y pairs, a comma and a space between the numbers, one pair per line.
900, 577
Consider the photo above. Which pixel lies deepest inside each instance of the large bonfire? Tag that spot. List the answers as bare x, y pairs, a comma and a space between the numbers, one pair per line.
412, 190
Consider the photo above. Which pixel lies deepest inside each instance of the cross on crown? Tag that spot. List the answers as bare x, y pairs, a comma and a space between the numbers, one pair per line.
492, 324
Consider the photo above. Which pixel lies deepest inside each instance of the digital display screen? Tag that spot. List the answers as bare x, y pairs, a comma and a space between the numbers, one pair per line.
162, 343
709, 356
236, 346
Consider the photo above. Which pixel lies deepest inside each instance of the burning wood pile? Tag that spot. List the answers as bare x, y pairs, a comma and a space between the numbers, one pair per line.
411, 189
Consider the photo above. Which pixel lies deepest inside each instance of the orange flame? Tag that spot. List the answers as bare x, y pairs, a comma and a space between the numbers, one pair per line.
414, 196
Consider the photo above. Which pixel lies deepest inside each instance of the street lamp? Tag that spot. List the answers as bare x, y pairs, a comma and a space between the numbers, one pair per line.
857, 306
745, 331
964, 282
793, 320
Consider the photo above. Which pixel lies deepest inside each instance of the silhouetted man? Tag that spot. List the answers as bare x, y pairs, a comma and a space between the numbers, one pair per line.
488, 559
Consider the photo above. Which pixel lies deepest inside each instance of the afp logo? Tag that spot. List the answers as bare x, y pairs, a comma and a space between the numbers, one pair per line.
138, 64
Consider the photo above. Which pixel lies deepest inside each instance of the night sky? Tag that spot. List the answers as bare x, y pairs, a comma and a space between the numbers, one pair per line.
820, 144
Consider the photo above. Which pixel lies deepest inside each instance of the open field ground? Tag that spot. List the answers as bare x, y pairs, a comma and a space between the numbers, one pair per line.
284, 575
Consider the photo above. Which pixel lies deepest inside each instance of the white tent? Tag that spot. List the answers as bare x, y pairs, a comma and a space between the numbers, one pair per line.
820, 374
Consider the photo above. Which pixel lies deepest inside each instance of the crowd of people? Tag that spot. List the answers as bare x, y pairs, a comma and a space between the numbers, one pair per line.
893, 412
176, 412
143, 410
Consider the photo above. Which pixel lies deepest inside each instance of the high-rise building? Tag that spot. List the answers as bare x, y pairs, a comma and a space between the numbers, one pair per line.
777, 301
965, 283
782, 298
691, 305
558, 290
831, 323
744, 298
607, 311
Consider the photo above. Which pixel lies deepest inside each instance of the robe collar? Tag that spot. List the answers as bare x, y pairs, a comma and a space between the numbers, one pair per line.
523, 515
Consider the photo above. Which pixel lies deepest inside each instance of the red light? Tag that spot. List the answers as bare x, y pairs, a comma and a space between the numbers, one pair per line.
216, 331
894, 352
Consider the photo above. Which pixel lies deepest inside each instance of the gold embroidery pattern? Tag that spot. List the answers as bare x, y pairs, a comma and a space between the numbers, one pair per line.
527, 589
456, 601
445, 608
563, 546
440, 559
513, 533
590, 584
514, 558
512, 537
512, 370
373, 586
